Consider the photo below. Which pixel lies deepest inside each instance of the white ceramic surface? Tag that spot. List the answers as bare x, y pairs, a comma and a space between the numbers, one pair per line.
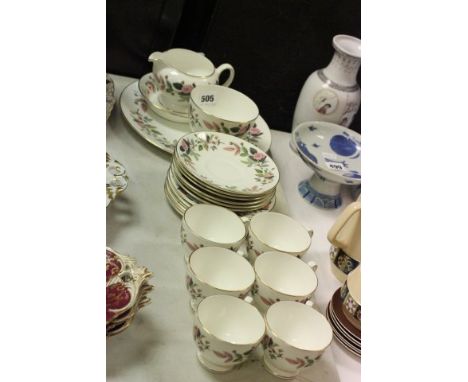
279, 277
172, 322
333, 152
213, 270
148, 88
332, 94
178, 71
272, 231
116, 179
226, 331
220, 109
346, 232
299, 333
205, 225
227, 163
164, 133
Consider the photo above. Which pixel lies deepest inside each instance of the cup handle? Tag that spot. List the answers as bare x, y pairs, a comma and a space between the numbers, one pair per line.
309, 303
313, 265
248, 299
221, 68
155, 56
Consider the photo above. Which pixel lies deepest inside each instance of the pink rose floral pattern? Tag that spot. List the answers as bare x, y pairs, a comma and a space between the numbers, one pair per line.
190, 148
180, 89
275, 352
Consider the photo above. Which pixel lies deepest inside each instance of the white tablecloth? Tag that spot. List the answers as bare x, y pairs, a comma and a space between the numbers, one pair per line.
158, 346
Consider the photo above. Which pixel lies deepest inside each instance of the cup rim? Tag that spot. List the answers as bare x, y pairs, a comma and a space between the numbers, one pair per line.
289, 344
215, 243
189, 266
277, 291
299, 253
223, 340
225, 88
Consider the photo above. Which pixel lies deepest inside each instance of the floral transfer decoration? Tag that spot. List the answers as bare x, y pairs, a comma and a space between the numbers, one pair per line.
195, 145
146, 124
202, 124
181, 89
227, 356
200, 339
193, 288
275, 352
183, 238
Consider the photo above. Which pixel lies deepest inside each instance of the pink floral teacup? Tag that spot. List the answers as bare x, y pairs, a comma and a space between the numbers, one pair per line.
297, 335
280, 277
221, 109
226, 331
206, 225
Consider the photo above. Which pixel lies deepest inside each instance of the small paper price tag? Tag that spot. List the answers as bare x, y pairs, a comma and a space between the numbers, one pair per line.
335, 166
208, 99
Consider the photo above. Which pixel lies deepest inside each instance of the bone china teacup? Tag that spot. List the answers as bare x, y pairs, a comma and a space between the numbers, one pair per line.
206, 225
221, 109
178, 71
212, 270
272, 231
226, 330
297, 335
279, 277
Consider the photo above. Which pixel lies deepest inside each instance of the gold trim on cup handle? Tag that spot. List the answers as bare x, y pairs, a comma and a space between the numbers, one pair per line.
221, 68
313, 265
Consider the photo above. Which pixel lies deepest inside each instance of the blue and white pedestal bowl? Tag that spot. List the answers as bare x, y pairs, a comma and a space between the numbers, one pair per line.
333, 152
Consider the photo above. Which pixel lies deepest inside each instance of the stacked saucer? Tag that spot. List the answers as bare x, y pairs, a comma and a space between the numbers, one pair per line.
344, 331
127, 291
220, 169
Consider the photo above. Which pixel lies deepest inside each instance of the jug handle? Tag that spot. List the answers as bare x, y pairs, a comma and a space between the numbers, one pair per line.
221, 68
341, 222
155, 56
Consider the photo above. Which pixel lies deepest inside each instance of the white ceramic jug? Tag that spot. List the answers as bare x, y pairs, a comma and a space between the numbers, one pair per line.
332, 94
178, 71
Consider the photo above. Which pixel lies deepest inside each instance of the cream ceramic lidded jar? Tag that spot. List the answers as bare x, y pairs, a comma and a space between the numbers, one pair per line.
178, 71
332, 94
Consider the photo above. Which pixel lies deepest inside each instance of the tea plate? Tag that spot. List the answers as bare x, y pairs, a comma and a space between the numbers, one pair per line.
227, 163
164, 133
191, 195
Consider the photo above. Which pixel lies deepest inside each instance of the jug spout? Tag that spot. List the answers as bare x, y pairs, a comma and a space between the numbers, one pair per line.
155, 56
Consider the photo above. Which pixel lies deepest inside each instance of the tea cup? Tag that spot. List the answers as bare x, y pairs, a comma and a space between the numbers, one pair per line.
206, 225
272, 231
351, 295
212, 270
297, 335
226, 330
221, 109
279, 277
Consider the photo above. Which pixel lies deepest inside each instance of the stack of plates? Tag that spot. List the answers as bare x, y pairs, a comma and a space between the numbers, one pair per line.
345, 332
220, 169
127, 291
